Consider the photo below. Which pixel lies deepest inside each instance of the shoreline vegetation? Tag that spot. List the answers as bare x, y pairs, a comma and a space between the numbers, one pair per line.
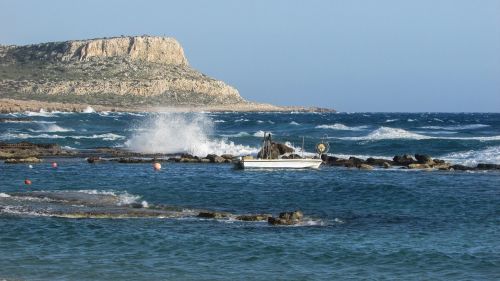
16, 105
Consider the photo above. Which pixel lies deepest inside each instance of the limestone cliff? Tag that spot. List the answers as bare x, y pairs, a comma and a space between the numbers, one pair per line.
121, 71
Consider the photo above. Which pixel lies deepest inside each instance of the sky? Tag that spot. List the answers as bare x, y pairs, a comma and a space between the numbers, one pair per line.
351, 55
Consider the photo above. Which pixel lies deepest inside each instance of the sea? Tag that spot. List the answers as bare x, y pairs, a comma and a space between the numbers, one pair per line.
381, 224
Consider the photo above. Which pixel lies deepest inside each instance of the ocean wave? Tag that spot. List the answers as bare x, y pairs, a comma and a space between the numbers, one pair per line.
473, 157
391, 120
242, 120
52, 128
183, 133
341, 127
294, 123
383, 133
30, 121
88, 109
260, 134
240, 134
41, 113
13, 136
219, 121
456, 127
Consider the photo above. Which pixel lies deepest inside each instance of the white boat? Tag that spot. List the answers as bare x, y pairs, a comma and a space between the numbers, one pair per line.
279, 163
268, 161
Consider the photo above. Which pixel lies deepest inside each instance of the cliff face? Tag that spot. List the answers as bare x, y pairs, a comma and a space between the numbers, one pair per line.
124, 71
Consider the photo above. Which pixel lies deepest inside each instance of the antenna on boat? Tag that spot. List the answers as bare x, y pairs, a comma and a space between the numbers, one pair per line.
302, 146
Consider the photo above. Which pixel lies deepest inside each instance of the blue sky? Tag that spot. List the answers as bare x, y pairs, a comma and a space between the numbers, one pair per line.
439, 55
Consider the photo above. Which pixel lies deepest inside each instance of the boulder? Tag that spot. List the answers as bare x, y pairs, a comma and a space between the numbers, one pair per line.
29, 160
213, 215
227, 156
460, 168
215, 158
94, 159
376, 161
419, 166
365, 167
287, 218
424, 159
403, 160
386, 165
257, 217
134, 160
488, 166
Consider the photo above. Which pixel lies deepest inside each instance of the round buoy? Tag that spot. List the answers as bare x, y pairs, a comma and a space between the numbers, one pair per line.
156, 166
54, 165
27, 181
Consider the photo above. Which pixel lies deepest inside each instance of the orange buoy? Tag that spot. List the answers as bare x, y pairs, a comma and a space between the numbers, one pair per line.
27, 181
54, 164
156, 166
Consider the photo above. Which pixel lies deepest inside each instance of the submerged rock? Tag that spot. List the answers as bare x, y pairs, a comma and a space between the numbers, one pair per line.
29, 160
257, 217
213, 215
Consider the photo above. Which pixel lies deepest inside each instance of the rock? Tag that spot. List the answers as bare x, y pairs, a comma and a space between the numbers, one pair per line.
277, 149
215, 158
94, 159
461, 168
287, 218
442, 167
386, 165
29, 160
404, 160
376, 161
16, 119
134, 160
418, 166
488, 166
258, 217
227, 156
204, 160
213, 215
423, 159
365, 167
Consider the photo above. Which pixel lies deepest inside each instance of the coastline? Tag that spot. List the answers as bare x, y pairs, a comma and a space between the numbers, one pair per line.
14, 105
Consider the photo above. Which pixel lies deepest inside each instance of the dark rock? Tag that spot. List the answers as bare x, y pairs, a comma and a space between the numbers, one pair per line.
134, 160
404, 160
213, 215
424, 159
94, 159
258, 217
386, 165
287, 218
135, 205
461, 168
377, 161
488, 166
215, 158
227, 156
187, 156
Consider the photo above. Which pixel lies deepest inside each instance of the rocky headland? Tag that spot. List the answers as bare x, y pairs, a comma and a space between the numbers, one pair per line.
128, 73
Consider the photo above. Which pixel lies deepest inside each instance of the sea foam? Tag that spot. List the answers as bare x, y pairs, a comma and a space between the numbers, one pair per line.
182, 133
341, 127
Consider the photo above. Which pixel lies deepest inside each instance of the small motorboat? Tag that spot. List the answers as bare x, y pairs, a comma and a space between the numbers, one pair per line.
266, 161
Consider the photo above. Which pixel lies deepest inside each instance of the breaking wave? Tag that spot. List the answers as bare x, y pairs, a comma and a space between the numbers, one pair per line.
182, 133
342, 127
473, 157
88, 109
456, 127
383, 133
52, 128
107, 136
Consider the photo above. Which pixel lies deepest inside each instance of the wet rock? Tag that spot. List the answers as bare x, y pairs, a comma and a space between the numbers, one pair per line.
134, 160
213, 215
403, 160
135, 205
204, 160
189, 160
258, 217
215, 158
29, 160
488, 166
424, 159
386, 165
227, 156
376, 161
365, 167
442, 166
94, 159
287, 218
460, 168
187, 156
419, 166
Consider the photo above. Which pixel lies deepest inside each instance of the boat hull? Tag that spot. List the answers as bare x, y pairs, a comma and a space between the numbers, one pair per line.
280, 163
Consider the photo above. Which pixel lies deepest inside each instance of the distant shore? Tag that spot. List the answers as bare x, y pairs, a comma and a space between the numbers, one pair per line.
13, 106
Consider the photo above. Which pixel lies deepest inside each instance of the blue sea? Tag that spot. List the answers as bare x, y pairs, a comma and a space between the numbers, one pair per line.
370, 225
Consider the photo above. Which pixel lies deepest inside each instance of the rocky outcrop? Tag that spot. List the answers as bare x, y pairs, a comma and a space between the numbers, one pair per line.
287, 218
121, 71
277, 149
